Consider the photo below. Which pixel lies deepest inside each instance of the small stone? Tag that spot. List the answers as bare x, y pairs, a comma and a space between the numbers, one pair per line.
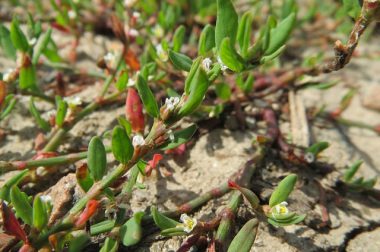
371, 98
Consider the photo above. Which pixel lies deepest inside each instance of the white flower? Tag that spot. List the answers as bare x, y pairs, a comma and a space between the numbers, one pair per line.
71, 14
45, 198
279, 209
32, 41
7, 75
161, 53
138, 140
188, 223
51, 113
131, 82
109, 58
309, 157
171, 102
171, 135
136, 14
206, 63
129, 3
73, 101
158, 31
224, 67
40, 171
133, 32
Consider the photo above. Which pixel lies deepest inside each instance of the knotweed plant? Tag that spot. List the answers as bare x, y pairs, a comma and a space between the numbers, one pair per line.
195, 60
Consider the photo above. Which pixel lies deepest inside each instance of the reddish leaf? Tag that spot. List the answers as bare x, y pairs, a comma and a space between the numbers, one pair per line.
26, 248
134, 111
11, 225
132, 60
3, 91
87, 213
153, 163
60, 27
180, 150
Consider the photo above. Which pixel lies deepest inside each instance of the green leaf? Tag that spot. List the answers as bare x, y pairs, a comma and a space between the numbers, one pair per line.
180, 137
178, 38
280, 34
284, 188
147, 97
122, 147
125, 124
230, 57
141, 165
321, 86
369, 183
198, 89
226, 22
131, 231
84, 179
6, 43
176, 231
206, 40
27, 78
43, 124
190, 77
41, 45
161, 220
180, 61
223, 91
244, 33
296, 219
102, 227
245, 238
274, 55
79, 243
121, 83
352, 8
61, 111
350, 173
6, 188
288, 7
17, 36
110, 245
40, 215
23, 208
317, 148
9, 104
97, 158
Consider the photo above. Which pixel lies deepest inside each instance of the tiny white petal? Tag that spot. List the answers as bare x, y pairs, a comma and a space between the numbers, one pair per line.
309, 157
133, 32
45, 198
206, 63
131, 82
129, 3
7, 74
158, 31
223, 67
71, 14
136, 14
138, 140
161, 53
32, 41
73, 101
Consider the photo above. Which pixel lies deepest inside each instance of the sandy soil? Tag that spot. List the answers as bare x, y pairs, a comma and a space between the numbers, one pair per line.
214, 156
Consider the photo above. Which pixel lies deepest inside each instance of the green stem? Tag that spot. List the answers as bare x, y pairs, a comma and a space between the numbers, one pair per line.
229, 212
226, 223
39, 95
58, 135
46, 162
110, 78
68, 68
